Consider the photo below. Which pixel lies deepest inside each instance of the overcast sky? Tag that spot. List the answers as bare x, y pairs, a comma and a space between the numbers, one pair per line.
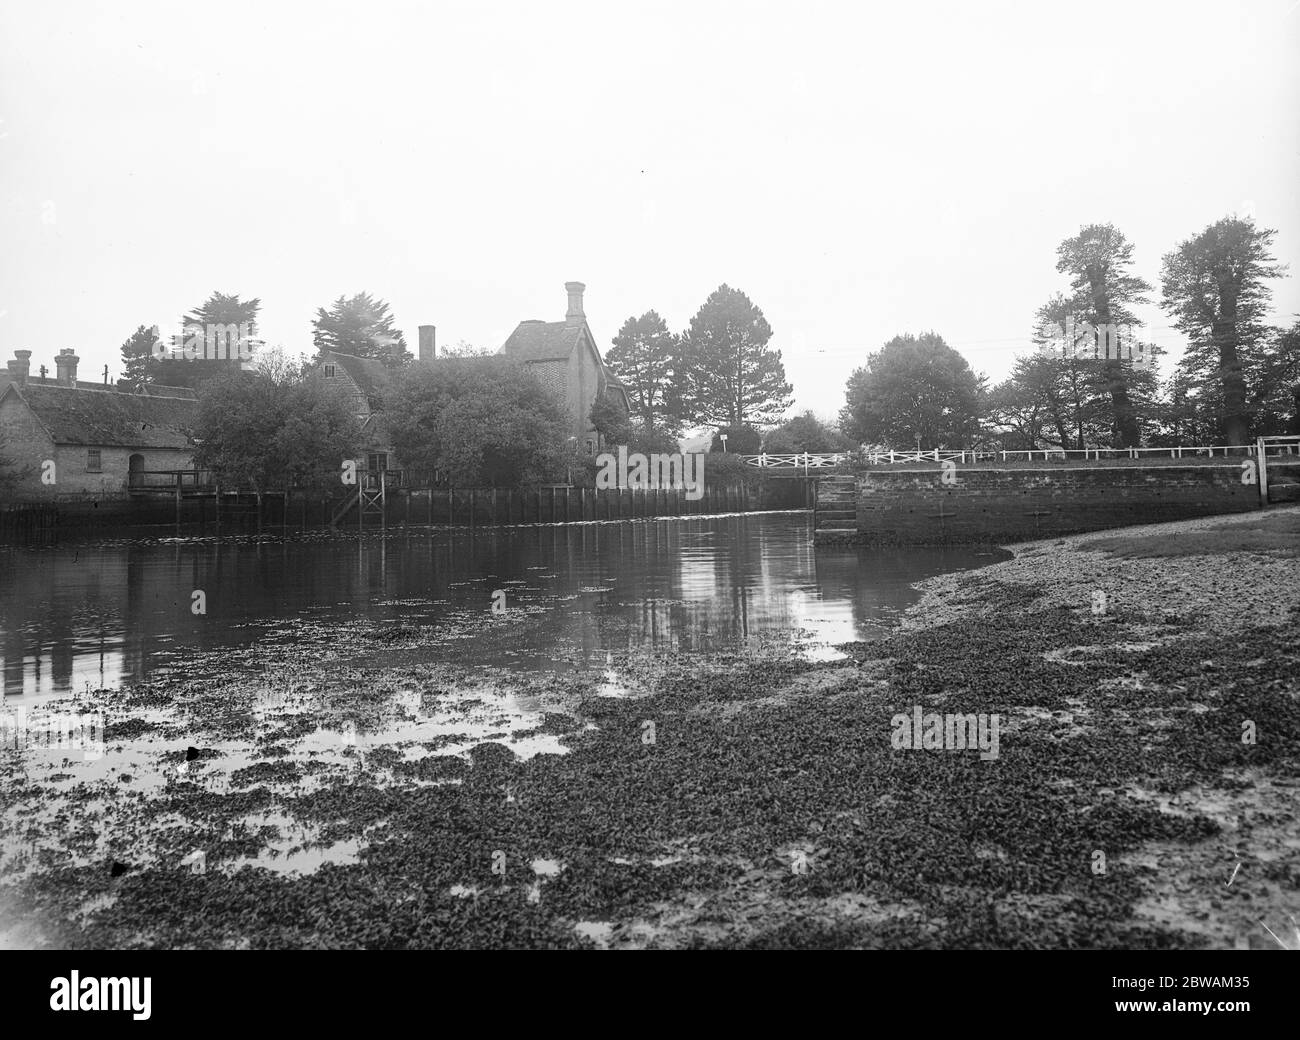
859, 170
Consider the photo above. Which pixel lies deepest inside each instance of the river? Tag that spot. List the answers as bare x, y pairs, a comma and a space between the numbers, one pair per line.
87, 613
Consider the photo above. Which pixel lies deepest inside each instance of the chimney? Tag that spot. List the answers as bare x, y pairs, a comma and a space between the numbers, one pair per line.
428, 342
66, 363
20, 366
575, 315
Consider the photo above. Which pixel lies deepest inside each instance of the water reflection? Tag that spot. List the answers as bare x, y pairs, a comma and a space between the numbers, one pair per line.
101, 614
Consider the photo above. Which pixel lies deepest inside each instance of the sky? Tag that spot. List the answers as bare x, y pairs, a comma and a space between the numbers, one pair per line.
858, 169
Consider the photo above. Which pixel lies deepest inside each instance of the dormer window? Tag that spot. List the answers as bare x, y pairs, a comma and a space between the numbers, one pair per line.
329, 371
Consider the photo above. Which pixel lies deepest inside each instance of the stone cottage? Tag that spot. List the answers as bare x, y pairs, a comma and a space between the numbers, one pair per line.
363, 381
564, 357
96, 437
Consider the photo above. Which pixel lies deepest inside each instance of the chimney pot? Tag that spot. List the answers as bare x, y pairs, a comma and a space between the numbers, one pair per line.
20, 366
66, 365
428, 342
575, 291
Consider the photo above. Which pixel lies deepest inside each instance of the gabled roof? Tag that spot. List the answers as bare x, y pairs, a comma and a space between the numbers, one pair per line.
106, 418
543, 341
371, 375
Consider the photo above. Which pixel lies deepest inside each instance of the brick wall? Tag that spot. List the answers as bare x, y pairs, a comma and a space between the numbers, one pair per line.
1005, 505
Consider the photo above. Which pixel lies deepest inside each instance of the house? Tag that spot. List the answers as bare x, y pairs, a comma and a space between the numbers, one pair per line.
363, 381
95, 436
563, 355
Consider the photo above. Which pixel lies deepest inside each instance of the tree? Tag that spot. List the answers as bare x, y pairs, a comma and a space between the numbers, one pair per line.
646, 357
729, 375
360, 326
1098, 260
610, 419
139, 363
463, 349
220, 310
279, 367
262, 433
477, 421
225, 309
1081, 391
318, 431
1215, 287
239, 418
805, 433
915, 390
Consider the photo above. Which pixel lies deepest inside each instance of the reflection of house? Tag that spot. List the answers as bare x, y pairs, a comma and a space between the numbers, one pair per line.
564, 357
95, 436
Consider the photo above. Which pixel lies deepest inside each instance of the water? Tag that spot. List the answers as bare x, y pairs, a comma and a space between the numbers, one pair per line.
97, 614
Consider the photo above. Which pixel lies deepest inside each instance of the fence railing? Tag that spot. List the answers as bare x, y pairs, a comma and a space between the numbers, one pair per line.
146, 479
825, 460
803, 460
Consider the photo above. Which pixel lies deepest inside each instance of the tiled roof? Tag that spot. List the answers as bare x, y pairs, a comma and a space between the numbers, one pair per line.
82, 384
187, 393
543, 341
371, 375
110, 419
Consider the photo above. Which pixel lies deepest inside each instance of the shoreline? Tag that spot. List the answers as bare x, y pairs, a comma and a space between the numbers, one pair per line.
764, 805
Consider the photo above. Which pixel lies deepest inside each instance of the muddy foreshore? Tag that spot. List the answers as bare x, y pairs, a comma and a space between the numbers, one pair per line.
345, 794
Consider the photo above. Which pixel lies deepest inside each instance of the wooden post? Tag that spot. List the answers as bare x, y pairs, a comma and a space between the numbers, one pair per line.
473, 501
1262, 476
567, 489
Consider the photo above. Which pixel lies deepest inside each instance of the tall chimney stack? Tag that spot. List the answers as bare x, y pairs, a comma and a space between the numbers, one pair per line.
66, 365
428, 342
575, 315
20, 367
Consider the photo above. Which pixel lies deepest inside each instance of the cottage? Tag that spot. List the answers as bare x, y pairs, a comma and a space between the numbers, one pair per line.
95, 436
564, 357
363, 381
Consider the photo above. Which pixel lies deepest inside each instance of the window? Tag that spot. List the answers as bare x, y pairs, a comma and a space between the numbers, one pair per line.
591, 447
329, 371
377, 461
94, 462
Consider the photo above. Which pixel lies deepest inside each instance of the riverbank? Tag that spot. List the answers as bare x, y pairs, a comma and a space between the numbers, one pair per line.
345, 794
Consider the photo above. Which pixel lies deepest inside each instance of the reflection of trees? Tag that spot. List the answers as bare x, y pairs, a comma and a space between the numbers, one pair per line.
70, 614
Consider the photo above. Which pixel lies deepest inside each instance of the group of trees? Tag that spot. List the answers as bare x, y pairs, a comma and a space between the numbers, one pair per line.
1238, 378
360, 325
274, 427
476, 419
721, 371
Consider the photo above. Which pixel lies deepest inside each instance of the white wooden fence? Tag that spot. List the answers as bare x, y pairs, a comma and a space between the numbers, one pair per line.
825, 460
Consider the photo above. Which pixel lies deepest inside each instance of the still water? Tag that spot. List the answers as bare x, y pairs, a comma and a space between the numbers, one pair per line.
95, 614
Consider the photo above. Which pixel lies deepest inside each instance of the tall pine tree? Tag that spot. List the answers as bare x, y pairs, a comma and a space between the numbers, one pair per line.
645, 357
360, 326
729, 375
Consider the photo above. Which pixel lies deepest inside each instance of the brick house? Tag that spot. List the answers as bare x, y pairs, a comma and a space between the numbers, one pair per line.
96, 436
564, 357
